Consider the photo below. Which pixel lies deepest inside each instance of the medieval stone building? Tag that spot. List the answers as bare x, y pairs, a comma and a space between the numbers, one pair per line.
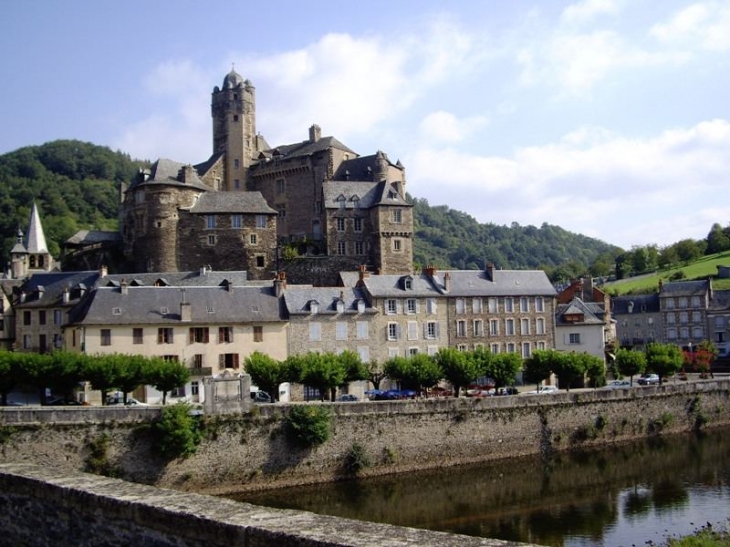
239, 209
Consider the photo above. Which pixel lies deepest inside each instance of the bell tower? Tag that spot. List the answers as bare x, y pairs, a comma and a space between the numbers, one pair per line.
233, 108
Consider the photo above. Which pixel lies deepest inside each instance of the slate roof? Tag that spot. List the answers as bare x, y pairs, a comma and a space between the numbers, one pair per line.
505, 283
393, 285
182, 279
358, 167
642, 303
45, 290
36, 237
370, 194
306, 148
298, 299
685, 288
591, 311
161, 305
93, 236
232, 202
720, 301
165, 171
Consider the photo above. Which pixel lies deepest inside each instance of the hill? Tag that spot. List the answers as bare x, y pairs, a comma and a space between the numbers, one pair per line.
76, 186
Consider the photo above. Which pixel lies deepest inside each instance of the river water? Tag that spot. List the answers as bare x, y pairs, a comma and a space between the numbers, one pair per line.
618, 496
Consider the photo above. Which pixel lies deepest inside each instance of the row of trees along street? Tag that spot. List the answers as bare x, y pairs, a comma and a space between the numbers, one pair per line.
61, 372
666, 360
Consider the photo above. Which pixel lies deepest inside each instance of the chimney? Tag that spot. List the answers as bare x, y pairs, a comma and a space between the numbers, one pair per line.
103, 271
364, 273
661, 285
203, 271
185, 311
430, 270
447, 281
280, 284
490, 271
123, 287
315, 133
65, 295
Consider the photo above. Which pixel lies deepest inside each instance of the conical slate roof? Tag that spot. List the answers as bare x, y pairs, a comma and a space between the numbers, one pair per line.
36, 237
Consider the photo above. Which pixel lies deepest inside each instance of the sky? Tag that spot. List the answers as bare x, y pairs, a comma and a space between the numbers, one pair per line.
608, 118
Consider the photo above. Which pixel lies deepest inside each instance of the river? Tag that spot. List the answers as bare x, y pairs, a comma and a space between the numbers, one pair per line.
617, 496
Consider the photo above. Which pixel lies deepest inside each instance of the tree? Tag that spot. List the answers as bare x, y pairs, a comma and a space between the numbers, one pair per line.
101, 372
10, 374
594, 367
717, 240
323, 371
537, 366
456, 368
266, 372
663, 359
166, 375
355, 369
567, 367
132, 371
63, 371
376, 373
503, 368
426, 372
630, 362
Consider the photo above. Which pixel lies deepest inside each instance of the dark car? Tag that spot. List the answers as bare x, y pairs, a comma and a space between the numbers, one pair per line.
649, 380
260, 397
347, 398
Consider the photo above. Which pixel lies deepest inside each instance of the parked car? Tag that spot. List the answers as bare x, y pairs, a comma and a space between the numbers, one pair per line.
649, 380
347, 398
260, 397
544, 390
617, 384
131, 401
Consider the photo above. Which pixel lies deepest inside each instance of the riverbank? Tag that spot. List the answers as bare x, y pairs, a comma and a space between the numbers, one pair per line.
254, 452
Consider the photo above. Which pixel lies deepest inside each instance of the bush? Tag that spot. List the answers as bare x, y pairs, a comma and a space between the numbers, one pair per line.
308, 425
178, 432
356, 459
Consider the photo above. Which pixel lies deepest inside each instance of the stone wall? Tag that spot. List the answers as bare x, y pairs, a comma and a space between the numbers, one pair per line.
245, 452
41, 507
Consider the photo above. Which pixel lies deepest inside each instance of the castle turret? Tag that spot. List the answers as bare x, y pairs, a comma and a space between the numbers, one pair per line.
233, 108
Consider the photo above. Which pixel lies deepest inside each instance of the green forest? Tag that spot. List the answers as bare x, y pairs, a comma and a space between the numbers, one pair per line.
76, 186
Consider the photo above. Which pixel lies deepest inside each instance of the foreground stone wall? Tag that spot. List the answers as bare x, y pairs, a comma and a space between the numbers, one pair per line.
245, 452
41, 507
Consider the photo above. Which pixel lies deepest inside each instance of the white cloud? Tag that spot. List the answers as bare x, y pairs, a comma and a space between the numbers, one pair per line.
704, 26
624, 191
588, 10
446, 127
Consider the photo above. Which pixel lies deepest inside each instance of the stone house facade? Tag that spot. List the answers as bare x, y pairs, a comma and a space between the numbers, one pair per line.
638, 320
683, 306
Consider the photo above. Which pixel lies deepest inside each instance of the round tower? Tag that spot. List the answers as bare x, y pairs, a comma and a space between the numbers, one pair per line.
233, 108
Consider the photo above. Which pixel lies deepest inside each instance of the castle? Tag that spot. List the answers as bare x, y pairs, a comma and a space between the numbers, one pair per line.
239, 209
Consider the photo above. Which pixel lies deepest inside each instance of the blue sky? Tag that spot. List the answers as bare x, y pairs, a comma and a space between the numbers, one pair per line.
609, 118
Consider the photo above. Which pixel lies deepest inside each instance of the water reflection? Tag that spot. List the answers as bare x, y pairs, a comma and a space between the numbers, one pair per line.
623, 495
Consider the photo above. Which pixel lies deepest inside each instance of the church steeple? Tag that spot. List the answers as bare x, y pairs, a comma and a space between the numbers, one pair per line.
33, 256
36, 237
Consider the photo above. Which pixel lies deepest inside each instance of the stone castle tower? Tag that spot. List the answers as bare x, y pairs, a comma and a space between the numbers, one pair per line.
237, 209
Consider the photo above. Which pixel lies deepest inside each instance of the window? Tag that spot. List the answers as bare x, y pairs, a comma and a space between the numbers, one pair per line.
57, 341
432, 331
672, 334
315, 332
696, 317
236, 163
510, 348
237, 221
341, 202
541, 345
393, 331
509, 327
508, 305
411, 306
397, 246
540, 326
26, 341
137, 336
539, 304
198, 360
237, 184
260, 221
524, 304
225, 335
358, 224
670, 303
525, 350
397, 216
26, 318
253, 239
413, 330
210, 222
164, 335
682, 302
461, 328
476, 305
260, 260
671, 318
524, 326
364, 353
42, 317
211, 240
228, 360
493, 327
431, 306
359, 249
280, 186
391, 306
194, 387
341, 330
478, 327
683, 317
340, 224
574, 338
355, 202
362, 330
695, 301
341, 247
494, 348
317, 206
258, 333
57, 317
492, 305
106, 337
199, 335
281, 208
412, 352
460, 305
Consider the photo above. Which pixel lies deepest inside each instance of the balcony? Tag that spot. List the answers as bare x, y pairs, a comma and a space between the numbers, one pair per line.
200, 371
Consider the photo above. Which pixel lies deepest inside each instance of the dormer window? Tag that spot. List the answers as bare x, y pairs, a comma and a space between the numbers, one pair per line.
341, 201
314, 307
360, 306
340, 306
408, 283
355, 202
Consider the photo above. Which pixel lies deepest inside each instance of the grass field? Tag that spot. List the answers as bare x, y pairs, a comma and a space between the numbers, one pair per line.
701, 269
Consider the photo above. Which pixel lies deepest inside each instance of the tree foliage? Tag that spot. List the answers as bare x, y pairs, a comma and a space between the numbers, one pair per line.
266, 372
663, 359
457, 368
630, 363
166, 375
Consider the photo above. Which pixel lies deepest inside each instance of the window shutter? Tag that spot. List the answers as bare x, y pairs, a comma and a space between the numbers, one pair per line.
159, 336
425, 331
398, 334
192, 335
418, 306
235, 360
220, 335
206, 336
221, 361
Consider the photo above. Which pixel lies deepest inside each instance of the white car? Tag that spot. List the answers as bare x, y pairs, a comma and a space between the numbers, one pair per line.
544, 390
